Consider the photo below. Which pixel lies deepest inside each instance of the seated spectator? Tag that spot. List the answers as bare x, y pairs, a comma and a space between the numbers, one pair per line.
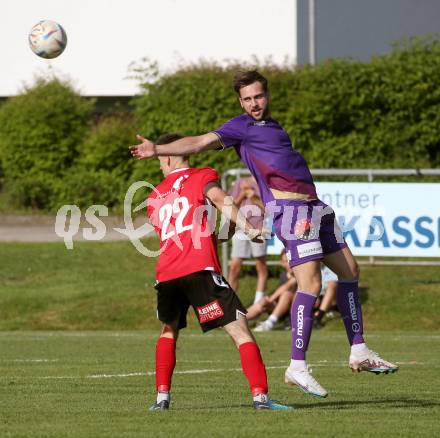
278, 304
246, 197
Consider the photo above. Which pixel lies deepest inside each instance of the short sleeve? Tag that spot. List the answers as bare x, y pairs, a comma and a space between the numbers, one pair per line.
208, 175
231, 133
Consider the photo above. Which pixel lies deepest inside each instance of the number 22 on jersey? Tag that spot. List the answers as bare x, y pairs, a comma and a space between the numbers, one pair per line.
178, 209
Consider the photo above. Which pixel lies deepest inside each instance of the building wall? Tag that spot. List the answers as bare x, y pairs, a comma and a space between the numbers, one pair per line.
362, 28
105, 36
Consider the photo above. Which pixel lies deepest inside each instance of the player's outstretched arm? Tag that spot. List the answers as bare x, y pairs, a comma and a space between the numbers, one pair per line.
185, 146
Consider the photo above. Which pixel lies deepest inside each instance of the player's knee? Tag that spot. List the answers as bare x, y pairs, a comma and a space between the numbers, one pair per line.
169, 331
310, 285
315, 287
239, 332
355, 270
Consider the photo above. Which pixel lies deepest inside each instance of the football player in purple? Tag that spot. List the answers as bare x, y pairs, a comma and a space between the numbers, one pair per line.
306, 226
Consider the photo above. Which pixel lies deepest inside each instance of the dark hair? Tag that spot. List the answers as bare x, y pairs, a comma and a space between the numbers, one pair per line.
169, 138
245, 78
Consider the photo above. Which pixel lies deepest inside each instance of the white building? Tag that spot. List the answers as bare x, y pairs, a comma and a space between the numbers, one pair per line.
106, 36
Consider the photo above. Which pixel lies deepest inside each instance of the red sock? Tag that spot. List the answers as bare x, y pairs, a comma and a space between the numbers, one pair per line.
165, 362
253, 367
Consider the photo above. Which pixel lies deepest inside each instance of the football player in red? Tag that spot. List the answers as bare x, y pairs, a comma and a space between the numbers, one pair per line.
306, 226
188, 271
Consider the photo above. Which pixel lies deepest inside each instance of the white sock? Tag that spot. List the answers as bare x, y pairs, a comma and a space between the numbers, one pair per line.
162, 396
297, 364
359, 348
258, 295
273, 319
262, 398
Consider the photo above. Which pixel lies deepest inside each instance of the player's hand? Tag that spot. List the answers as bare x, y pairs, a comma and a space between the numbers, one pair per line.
144, 150
259, 236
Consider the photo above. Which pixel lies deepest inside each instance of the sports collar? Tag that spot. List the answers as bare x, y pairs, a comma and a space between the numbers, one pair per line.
178, 170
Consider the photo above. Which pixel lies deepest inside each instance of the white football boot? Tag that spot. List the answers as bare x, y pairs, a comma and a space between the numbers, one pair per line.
305, 381
368, 360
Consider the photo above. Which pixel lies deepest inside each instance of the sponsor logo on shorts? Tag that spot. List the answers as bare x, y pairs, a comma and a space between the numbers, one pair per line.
219, 280
309, 249
210, 311
304, 230
239, 314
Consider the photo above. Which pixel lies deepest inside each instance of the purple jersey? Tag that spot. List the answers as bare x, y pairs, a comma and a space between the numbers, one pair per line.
265, 148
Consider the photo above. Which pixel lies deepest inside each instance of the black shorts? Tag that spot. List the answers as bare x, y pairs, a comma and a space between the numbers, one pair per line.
211, 297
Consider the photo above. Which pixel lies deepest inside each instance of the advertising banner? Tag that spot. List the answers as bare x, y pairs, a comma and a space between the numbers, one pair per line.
384, 219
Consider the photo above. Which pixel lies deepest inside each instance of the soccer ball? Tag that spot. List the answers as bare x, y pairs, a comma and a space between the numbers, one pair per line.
47, 39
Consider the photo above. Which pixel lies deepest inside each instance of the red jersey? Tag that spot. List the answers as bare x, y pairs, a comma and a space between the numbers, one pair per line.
185, 223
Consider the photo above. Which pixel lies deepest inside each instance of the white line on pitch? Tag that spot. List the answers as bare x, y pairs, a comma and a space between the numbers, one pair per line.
219, 370
152, 373
41, 336
201, 371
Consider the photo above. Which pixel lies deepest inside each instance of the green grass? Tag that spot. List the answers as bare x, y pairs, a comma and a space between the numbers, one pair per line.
100, 384
109, 286
92, 383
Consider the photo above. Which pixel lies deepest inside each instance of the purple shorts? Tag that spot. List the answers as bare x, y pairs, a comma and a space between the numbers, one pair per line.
308, 230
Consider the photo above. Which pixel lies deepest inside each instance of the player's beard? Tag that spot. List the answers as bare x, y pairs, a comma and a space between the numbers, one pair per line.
264, 114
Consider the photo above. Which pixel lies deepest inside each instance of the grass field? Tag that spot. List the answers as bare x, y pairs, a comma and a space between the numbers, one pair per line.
100, 384
77, 338
109, 286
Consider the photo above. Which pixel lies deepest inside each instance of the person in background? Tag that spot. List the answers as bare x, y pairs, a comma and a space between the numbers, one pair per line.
327, 299
306, 226
278, 304
246, 196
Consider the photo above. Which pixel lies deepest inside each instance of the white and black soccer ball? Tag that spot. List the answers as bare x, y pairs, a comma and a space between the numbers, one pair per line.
47, 39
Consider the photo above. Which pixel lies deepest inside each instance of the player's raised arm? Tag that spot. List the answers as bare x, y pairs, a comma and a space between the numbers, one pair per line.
185, 146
